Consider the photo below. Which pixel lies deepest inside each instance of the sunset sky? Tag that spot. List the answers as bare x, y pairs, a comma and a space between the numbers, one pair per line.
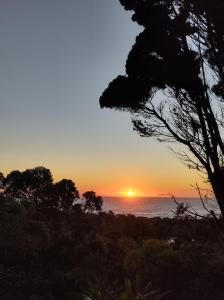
57, 57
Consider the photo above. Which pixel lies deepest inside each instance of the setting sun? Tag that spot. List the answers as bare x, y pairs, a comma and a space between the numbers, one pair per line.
130, 193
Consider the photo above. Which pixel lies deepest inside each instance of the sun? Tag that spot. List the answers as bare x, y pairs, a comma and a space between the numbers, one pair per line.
130, 193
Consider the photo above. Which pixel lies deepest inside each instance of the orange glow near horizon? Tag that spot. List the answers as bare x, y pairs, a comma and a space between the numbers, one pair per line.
120, 181
130, 192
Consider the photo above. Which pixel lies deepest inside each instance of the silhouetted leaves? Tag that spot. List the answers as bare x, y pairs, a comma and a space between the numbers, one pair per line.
65, 193
92, 202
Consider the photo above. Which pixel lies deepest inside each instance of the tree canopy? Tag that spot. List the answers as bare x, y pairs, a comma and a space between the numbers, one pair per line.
174, 81
37, 187
92, 201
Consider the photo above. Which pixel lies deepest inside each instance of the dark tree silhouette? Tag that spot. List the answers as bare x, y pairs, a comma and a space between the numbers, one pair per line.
174, 82
36, 186
2, 179
28, 185
66, 193
92, 202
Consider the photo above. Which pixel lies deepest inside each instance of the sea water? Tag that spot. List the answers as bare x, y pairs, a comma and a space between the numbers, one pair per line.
155, 206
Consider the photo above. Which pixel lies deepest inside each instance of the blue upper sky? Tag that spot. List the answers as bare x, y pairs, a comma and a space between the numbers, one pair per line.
56, 58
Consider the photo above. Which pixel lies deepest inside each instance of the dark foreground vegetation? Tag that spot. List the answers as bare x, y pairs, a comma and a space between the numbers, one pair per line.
52, 247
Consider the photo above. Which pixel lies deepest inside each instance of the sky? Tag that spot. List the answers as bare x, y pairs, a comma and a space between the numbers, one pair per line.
56, 58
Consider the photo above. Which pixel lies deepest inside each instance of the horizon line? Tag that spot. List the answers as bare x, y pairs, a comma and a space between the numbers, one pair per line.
145, 196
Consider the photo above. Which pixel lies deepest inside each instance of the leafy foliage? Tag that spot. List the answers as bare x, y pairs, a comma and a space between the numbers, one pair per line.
92, 202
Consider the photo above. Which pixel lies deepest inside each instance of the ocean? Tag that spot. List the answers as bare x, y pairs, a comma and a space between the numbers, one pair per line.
153, 206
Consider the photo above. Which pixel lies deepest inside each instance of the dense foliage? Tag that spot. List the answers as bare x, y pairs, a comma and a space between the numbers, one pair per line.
63, 251
36, 187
